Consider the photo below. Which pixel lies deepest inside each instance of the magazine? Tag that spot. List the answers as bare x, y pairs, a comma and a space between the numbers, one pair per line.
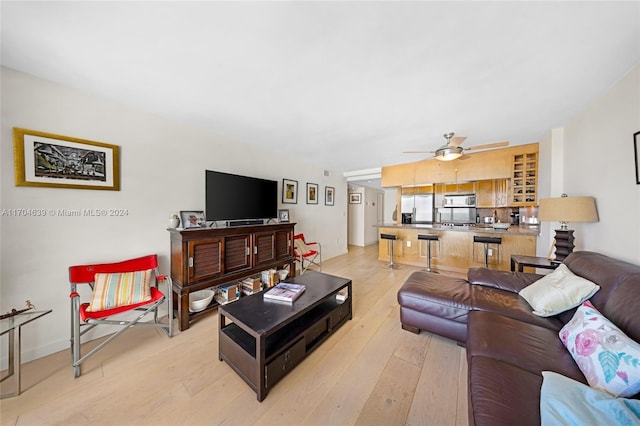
284, 291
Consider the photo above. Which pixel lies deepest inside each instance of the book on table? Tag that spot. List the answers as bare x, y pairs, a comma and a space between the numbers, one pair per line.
286, 292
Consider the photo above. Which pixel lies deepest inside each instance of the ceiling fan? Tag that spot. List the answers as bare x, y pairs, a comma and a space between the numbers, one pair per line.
452, 149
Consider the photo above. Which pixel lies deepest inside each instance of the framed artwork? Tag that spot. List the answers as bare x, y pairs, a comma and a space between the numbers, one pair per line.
192, 219
283, 215
289, 191
636, 151
312, 193
355, 198
55, 161
329, 194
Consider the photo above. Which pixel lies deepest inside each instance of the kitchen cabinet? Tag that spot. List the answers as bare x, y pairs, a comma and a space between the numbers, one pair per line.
524, 179
501, 192
485, 196
478, 166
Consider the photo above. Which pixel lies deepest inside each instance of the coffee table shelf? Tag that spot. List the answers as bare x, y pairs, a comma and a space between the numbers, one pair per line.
262, 340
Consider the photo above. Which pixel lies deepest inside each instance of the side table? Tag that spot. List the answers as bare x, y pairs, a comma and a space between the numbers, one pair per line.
12, 326
531, 261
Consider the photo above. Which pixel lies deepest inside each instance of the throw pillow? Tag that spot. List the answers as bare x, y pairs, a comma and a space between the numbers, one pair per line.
113, 290
557, 292
609, 359
564, 401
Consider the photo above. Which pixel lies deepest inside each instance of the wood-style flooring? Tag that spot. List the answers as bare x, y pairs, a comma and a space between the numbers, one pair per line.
370, 372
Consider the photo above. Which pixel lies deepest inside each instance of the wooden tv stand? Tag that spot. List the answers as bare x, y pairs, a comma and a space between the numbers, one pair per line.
209, 257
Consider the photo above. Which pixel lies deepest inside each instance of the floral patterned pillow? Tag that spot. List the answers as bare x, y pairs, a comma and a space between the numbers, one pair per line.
609, 359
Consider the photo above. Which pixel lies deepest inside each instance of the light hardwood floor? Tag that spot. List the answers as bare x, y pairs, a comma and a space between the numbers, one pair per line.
370, 372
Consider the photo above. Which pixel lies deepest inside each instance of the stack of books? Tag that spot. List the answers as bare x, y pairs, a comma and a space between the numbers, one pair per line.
251, 286
226, 293
285, 292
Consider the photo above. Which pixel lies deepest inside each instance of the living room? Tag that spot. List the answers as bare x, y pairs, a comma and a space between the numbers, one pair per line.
162, 172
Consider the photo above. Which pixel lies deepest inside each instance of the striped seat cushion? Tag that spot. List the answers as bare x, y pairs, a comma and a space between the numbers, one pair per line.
112, 290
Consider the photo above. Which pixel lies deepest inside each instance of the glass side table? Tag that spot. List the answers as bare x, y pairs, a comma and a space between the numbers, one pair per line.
12, 325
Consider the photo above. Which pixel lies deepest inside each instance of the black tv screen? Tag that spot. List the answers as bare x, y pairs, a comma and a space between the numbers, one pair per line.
235, 197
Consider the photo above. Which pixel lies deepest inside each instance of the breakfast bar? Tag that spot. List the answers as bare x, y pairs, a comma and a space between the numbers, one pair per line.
455, 250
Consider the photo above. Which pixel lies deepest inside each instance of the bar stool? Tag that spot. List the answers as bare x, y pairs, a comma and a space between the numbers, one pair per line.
486, 241
428, 238
391, 238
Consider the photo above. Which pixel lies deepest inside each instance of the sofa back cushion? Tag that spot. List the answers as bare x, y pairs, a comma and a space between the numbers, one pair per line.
605, 271
623, 305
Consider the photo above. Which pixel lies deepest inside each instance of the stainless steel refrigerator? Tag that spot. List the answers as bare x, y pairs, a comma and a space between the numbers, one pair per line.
419, 207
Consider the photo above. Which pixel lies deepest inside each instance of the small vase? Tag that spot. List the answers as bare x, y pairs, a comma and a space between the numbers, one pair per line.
174, 222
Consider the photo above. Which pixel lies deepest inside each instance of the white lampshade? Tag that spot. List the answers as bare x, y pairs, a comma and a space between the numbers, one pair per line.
568, 209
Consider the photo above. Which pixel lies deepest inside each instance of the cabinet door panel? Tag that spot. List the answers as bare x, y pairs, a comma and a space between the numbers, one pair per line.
264, 247
236, 253
283, 244
205, 259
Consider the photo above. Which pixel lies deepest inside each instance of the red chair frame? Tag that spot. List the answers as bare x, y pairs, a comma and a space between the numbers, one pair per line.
82, 320
311, 254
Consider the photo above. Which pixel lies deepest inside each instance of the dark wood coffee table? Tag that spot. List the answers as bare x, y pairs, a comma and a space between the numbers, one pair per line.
266, 338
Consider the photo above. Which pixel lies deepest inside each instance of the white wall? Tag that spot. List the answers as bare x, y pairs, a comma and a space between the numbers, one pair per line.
363, 217
598, 161
162, 171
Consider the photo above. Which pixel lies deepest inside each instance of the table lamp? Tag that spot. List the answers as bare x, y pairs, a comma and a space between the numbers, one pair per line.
566, 209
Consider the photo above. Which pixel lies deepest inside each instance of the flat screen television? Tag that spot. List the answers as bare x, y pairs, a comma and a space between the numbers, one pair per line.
235, 198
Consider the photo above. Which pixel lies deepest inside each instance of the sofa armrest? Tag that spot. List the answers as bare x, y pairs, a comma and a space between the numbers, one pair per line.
503, 280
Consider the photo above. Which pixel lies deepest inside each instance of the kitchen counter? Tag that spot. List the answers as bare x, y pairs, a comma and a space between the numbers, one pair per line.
478, 228
455, 251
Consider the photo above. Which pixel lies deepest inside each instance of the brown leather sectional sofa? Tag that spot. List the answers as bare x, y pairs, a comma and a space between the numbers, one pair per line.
508, 346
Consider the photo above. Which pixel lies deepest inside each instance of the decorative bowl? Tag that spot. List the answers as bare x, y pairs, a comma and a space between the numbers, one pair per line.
199, 300
501, 225
283, 274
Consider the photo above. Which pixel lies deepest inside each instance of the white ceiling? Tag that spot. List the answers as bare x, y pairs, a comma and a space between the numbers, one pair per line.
347, 85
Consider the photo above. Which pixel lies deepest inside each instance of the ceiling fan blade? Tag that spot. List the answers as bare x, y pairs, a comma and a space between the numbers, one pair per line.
488, 145
418, 152
457, 140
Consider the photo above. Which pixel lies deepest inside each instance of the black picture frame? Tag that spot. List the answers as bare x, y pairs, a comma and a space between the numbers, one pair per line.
636, 152
289, 191
312, 193
329, 195
355, 198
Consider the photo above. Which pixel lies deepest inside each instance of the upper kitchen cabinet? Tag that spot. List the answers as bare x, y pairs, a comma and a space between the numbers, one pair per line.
399, 175
525, 179
483, 165
492, 193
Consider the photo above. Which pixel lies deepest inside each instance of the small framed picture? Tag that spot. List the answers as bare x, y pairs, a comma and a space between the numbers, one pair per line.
355, 198
192, 219
312, 193
289, 191
329, 194
283, 215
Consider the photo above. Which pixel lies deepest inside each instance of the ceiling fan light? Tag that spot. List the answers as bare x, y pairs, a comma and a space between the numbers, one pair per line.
448, 153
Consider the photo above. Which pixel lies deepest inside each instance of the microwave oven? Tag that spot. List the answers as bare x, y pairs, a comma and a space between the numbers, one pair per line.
460, 200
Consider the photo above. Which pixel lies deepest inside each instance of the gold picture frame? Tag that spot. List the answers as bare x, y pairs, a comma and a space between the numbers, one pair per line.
55, 161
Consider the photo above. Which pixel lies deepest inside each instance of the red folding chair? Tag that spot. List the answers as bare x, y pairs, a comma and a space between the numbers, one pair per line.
118, 288
309, 252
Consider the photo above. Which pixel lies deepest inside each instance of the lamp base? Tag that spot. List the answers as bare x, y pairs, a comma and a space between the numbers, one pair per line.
564, 243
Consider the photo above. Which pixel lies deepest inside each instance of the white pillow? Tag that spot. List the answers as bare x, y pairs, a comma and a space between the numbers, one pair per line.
563, 401
557, 292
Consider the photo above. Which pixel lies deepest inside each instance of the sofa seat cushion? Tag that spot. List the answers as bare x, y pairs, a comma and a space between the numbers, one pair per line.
501, 394
438, 295
526, 346
509, 304
503, 280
